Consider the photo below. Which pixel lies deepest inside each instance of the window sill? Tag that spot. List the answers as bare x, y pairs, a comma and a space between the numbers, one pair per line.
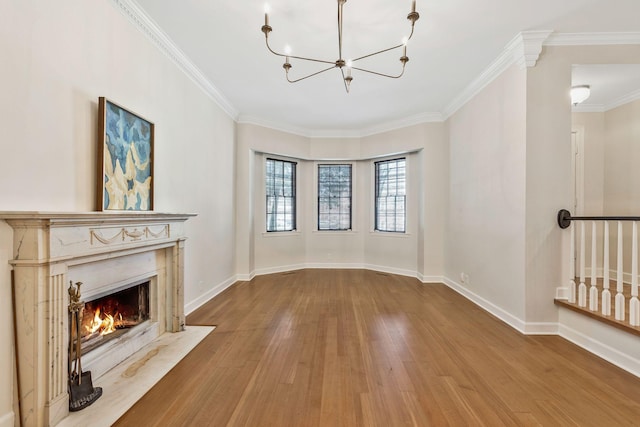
390, 234
334, 232
294, 233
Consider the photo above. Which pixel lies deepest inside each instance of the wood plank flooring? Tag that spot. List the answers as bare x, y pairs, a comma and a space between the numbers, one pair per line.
361, 348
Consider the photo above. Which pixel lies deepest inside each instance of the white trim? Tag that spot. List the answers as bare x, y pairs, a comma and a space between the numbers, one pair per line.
520, 50
541, 328
149, 28
204, 298
402, 123
628, 362
416, 119
279, 269
630, 97
7, 420
429, 279
501, 314
591, 39
245, 277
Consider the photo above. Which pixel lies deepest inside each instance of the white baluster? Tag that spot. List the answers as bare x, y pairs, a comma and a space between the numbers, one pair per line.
634, 304
619, 286
572, 267
582, 289
593, 290
606, 294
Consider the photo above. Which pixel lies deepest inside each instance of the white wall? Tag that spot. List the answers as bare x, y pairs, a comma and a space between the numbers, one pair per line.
485, 236
621, 160
591, 127
417, 253
58, 58
548, 172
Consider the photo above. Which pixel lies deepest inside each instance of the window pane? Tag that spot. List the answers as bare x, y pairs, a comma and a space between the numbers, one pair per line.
334, 197
280, 189
390, 195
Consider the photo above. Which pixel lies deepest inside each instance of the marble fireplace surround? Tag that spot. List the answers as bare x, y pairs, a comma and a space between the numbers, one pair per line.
106, 251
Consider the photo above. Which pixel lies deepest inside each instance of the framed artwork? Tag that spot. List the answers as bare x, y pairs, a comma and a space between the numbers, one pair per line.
125, 159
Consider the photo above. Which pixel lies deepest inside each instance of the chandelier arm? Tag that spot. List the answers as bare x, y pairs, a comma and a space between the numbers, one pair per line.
377, 53
386, 50
344, 80
380, 74
310, 75
297, 57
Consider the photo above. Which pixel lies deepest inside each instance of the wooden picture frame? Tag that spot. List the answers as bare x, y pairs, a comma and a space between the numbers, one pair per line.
125, 159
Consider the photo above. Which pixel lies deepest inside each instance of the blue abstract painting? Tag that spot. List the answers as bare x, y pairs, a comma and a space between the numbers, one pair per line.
127, 160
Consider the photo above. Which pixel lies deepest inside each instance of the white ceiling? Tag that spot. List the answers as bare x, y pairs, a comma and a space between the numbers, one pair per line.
454, 42
611, 85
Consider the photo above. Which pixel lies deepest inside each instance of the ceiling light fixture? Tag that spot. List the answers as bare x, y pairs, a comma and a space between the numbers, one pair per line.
341, 63
580, 94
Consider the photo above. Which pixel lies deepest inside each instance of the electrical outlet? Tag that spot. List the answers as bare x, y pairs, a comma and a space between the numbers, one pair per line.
462, 277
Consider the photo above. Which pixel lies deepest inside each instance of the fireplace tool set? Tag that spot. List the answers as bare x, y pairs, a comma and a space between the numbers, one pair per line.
81, 390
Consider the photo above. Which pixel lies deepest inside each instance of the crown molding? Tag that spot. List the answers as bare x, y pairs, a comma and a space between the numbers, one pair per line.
630, 97
527, 46
344, 133
416, 119
591, 39
603, 108
588, 108
149, 28
524, 50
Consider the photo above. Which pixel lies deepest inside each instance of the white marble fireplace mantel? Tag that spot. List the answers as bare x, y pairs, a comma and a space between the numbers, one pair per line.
101, 249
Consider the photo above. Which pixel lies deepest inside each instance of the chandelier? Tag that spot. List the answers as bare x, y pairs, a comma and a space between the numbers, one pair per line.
341, 63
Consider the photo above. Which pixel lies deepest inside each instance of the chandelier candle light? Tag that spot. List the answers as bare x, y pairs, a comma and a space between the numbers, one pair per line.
340, 63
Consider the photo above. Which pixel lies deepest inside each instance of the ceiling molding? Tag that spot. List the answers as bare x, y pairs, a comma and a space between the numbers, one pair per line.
403, 123
630, 97
591, 39
588, 108
527, 46
603, 108
258, 121
524, 49
149, 28
344, 133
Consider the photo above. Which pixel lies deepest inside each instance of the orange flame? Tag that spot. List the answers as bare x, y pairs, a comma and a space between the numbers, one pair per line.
104, 324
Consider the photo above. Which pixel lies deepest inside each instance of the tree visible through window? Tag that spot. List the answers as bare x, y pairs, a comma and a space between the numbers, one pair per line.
280, 183
391, 190
334, 197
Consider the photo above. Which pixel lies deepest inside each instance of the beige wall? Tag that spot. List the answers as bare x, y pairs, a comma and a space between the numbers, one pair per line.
621, 160
417, 253
548, 177
485, 235
58, 58
591, 128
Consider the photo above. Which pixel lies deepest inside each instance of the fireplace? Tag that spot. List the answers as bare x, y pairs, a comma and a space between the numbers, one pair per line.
131, 265
108, 317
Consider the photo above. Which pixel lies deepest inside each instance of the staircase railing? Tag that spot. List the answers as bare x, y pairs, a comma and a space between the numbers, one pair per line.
593, 297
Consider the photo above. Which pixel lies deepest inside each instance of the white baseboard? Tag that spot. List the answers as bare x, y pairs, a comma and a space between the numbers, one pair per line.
629, 361
278, 269
501, 314
204, 298
7, 420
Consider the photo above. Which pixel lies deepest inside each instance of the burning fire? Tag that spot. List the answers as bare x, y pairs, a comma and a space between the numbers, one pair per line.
103, 323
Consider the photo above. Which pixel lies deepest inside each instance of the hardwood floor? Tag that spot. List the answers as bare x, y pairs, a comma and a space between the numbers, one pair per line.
361, 348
